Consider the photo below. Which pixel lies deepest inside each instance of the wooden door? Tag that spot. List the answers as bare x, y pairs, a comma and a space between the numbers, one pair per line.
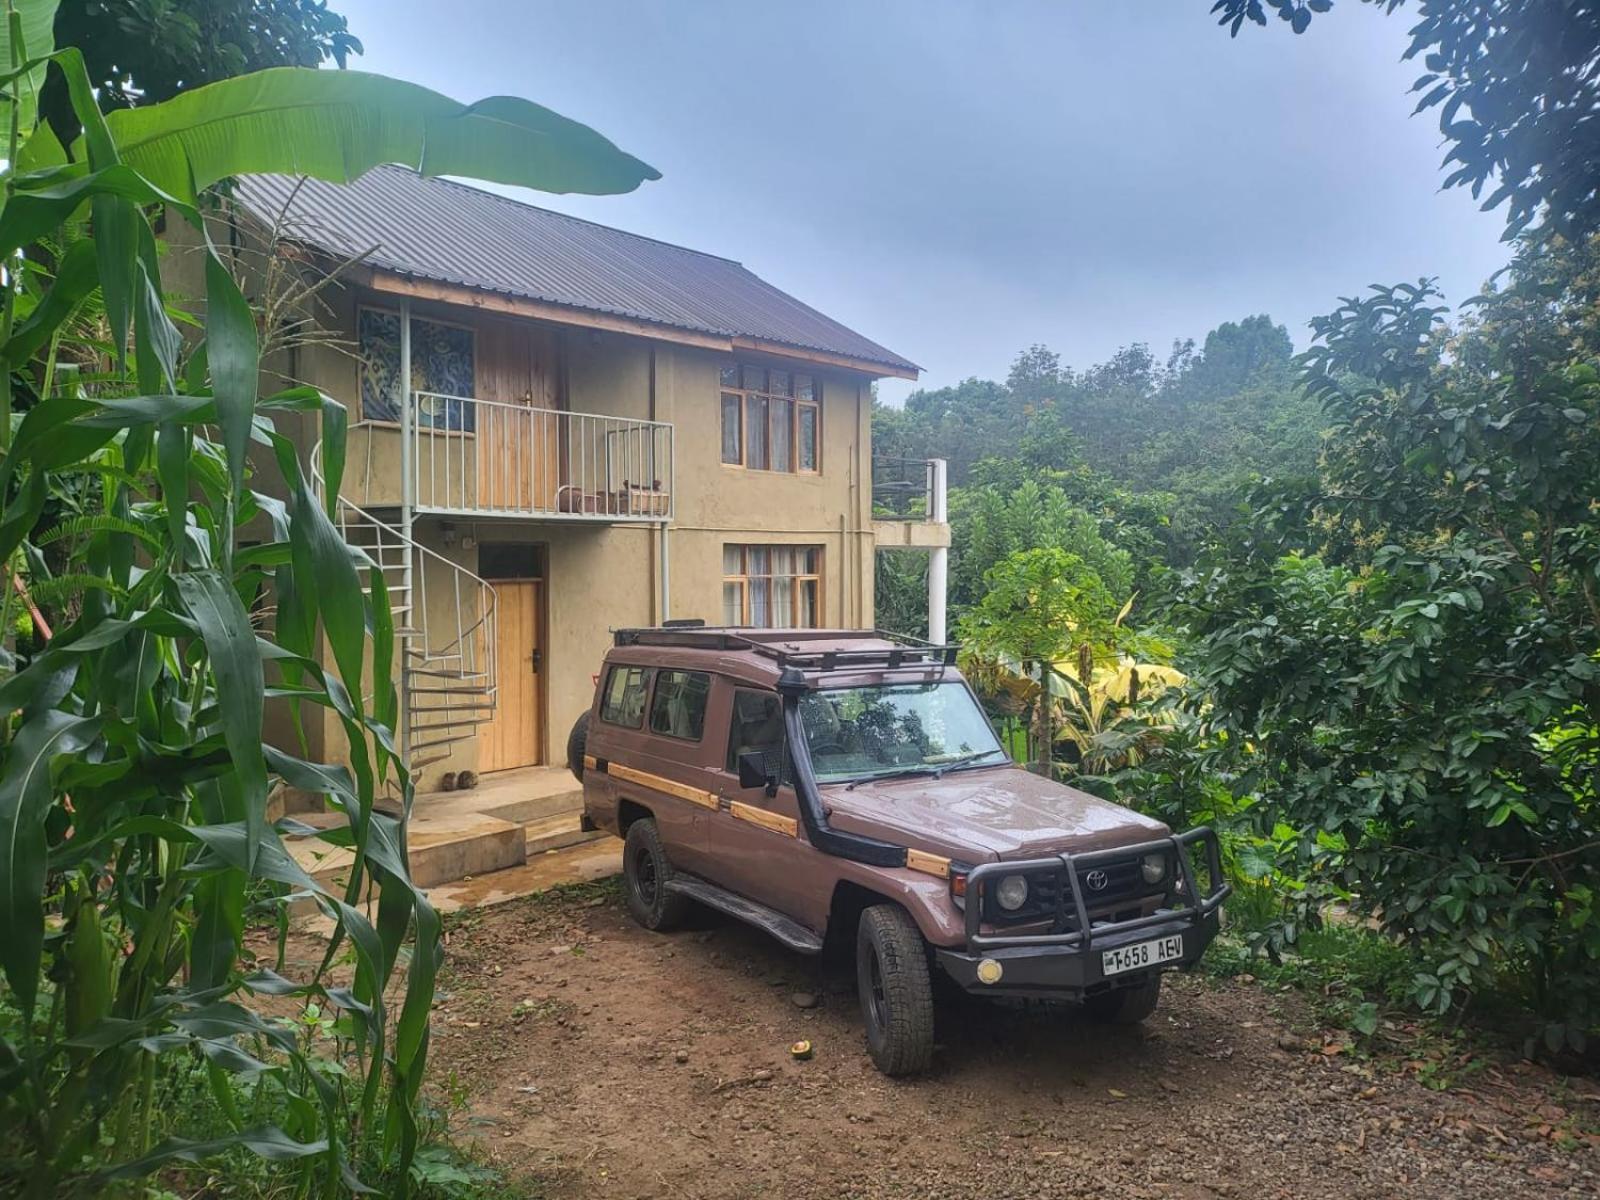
514, 737
518, 439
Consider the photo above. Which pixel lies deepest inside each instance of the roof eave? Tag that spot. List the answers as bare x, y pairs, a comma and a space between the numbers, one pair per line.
401, 283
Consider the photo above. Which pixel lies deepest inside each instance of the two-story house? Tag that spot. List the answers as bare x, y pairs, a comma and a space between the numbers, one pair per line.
558, 428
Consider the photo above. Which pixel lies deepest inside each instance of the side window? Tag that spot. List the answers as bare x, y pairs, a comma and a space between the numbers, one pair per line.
757, 725
623, 703
678, 708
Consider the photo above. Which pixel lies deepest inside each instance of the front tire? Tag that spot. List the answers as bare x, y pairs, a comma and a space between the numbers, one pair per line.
645, 871
1125, 1006
896, 993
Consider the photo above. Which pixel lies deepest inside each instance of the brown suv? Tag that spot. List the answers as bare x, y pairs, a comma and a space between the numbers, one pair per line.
828, 782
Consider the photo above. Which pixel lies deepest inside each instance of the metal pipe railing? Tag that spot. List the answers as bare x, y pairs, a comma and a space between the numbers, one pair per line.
488, 458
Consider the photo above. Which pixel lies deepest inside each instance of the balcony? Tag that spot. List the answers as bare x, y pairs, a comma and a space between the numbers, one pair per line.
487, 458
909, 509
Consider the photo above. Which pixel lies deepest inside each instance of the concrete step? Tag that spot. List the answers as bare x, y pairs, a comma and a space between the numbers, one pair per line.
444, 847
580, 863
529, 794
557, 833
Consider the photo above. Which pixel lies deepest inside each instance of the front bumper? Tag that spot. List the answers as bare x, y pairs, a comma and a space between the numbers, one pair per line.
1069, 964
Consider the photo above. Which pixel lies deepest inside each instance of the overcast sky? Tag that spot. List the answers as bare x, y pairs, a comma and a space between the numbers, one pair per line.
959, 180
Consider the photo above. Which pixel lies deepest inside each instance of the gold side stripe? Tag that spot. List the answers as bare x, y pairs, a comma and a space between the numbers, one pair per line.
590, 762
776, 822
931, 864
671, 787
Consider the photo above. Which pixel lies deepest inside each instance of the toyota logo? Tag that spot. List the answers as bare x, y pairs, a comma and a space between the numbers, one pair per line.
1096, 880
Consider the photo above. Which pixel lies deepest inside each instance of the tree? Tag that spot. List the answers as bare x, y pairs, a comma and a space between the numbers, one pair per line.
1424, 712
134, 783
143, 52
1516, 84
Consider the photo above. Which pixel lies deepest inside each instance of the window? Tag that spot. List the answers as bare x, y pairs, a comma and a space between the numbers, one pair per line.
443, 370
770, 419
678, 708
623, 703
772, 586
757, 726
856, 733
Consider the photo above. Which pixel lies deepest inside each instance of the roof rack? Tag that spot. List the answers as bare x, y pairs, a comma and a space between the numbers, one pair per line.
906, 651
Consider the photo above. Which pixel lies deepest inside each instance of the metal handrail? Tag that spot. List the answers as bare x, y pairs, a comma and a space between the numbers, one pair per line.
903, 489
581, 466
469, 637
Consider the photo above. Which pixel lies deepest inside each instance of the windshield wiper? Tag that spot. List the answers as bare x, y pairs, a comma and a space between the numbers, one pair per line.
935, 770
962, 761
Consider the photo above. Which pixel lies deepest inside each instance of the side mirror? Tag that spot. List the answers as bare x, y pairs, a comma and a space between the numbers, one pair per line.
754, 772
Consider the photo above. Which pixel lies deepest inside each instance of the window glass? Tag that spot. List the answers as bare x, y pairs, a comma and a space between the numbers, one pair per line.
443, 370
732, 428
772, 586
757, 725
678, 706
733, 602
855, 733
808, 438
771, 419
782, 433
623, 703
755, 455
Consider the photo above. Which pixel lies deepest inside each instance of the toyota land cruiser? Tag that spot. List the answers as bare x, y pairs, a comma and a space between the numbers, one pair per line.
845, 783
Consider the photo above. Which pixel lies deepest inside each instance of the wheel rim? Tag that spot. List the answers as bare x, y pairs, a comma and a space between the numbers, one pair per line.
877, 997
644, 877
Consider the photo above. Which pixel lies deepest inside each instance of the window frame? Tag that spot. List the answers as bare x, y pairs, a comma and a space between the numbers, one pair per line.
730, 757
796, 578
655, 691
644, 709
361, 367
773, 400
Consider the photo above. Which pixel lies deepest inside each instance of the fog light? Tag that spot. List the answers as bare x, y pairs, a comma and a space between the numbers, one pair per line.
989, 971
1154, 868
1011, 893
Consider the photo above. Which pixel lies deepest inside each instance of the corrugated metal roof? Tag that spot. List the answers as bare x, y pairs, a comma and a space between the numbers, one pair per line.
451, 233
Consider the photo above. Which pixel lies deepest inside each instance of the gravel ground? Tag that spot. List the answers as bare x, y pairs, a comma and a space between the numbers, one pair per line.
602, 1060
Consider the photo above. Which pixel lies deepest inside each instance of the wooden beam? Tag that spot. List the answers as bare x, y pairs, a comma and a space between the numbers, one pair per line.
393, 284
824, 358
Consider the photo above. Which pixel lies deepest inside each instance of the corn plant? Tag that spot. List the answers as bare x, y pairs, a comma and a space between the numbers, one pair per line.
135, 845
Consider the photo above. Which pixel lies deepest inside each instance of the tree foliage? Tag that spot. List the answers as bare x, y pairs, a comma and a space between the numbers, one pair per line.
1516, 84
1405, 659
147, 51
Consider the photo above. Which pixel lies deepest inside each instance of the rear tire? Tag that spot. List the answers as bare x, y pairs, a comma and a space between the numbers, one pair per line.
577, 741
1125, 1006
645, 871
896, 993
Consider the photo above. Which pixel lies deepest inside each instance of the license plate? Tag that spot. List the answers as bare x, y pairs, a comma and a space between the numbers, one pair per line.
1141, 955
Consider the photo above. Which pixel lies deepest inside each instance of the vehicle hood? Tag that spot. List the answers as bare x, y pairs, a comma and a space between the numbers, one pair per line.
984, 814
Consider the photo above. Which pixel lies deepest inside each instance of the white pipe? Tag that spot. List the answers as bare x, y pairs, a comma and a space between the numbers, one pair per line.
939, 560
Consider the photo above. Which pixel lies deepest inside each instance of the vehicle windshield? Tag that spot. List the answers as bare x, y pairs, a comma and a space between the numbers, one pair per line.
893, 729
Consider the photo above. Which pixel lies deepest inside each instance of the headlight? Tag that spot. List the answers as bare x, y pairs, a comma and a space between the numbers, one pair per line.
1154, 868
1011, 893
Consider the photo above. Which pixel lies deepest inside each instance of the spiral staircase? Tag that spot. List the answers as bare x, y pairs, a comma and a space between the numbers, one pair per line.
444, 627
519, 832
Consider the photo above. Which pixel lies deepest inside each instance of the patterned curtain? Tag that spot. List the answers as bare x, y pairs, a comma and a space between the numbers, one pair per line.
442, 361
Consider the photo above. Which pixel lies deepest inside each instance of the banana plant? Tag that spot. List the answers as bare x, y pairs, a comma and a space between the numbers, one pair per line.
135, 844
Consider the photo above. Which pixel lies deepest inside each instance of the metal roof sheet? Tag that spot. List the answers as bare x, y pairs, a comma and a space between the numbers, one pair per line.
449, 232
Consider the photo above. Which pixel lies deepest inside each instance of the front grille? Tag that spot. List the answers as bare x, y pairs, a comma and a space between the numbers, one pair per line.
1050, 895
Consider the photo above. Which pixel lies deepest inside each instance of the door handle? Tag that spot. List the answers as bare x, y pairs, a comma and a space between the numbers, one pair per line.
536, 658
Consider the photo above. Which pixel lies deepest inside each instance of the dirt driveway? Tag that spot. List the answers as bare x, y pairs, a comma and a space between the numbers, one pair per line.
606, 1061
